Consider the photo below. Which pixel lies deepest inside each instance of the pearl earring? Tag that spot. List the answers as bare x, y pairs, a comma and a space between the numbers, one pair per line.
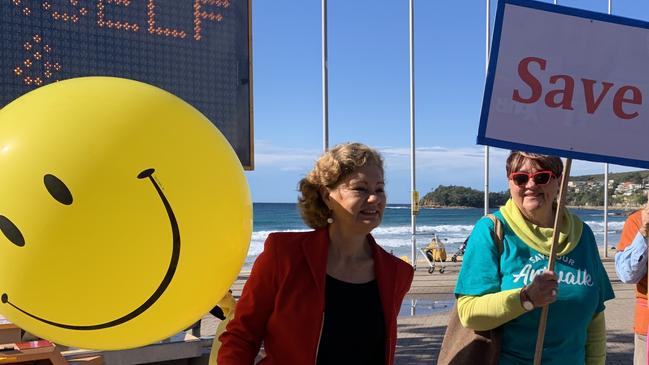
330, 220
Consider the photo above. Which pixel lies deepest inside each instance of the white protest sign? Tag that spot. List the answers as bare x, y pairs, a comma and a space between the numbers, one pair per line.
568, 82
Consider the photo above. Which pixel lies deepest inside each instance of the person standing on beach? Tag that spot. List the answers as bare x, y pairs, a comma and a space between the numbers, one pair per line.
506, 288
331, 295
631, 268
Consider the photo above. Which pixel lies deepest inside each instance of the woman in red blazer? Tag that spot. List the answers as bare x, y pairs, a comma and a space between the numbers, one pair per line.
331, 295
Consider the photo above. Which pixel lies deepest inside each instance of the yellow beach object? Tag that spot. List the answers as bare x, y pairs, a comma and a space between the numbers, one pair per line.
125, 214
435, 251
227, 305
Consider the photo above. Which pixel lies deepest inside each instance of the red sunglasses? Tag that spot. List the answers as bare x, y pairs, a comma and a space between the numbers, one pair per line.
539, 177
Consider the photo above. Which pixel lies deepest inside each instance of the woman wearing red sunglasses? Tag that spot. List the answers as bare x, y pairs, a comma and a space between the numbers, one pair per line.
504, 287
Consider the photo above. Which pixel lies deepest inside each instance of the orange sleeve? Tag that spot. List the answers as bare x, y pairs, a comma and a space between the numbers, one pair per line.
630, 230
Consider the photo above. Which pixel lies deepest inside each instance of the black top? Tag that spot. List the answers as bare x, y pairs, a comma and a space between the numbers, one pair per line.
353, 331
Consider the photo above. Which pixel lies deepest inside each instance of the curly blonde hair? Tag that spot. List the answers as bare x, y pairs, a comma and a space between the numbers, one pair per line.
329, 170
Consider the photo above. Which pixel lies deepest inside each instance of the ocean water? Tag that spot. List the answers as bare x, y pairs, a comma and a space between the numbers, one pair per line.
452, 225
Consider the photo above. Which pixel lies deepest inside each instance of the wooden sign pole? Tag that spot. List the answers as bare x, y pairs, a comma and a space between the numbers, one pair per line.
551, 260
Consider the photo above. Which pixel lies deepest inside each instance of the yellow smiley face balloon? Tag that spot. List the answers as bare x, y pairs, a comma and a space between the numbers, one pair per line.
124, 213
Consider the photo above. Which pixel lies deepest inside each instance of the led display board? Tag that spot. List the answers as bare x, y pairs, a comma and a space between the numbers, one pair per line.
198, 50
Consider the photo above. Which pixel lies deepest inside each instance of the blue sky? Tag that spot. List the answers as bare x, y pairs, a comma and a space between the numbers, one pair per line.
369, 90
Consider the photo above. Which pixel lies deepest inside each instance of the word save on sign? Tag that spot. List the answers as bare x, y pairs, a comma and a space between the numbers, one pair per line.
562, 97
567, 82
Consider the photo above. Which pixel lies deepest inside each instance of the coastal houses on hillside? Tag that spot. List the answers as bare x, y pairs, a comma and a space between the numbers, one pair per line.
626, 190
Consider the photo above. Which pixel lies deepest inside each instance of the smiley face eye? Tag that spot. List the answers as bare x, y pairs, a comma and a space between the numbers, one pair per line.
11, 231
57, 189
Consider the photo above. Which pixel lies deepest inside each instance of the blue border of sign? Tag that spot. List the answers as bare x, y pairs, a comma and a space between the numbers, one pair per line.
493, 61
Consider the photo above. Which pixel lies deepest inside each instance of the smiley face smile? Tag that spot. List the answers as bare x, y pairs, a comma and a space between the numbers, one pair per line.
62, 194
96, 262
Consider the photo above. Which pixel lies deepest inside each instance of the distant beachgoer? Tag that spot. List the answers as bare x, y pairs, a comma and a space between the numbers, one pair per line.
331, 295
631, 268
507, 290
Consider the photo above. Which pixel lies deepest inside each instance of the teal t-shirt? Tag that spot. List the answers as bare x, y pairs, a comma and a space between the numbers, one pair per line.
583, 288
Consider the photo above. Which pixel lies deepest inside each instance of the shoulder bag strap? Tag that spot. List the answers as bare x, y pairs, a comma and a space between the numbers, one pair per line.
498, 232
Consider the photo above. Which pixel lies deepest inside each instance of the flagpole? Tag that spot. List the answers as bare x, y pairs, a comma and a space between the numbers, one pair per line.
610, 10
486, 148
325, 81
414, 198
606, 210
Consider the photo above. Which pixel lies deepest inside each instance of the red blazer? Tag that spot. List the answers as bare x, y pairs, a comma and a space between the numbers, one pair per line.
282, 303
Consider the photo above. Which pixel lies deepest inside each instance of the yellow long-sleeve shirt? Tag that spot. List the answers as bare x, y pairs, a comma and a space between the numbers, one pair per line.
489, 311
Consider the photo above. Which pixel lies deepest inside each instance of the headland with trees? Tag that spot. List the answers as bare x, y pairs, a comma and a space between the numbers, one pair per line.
626, 190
